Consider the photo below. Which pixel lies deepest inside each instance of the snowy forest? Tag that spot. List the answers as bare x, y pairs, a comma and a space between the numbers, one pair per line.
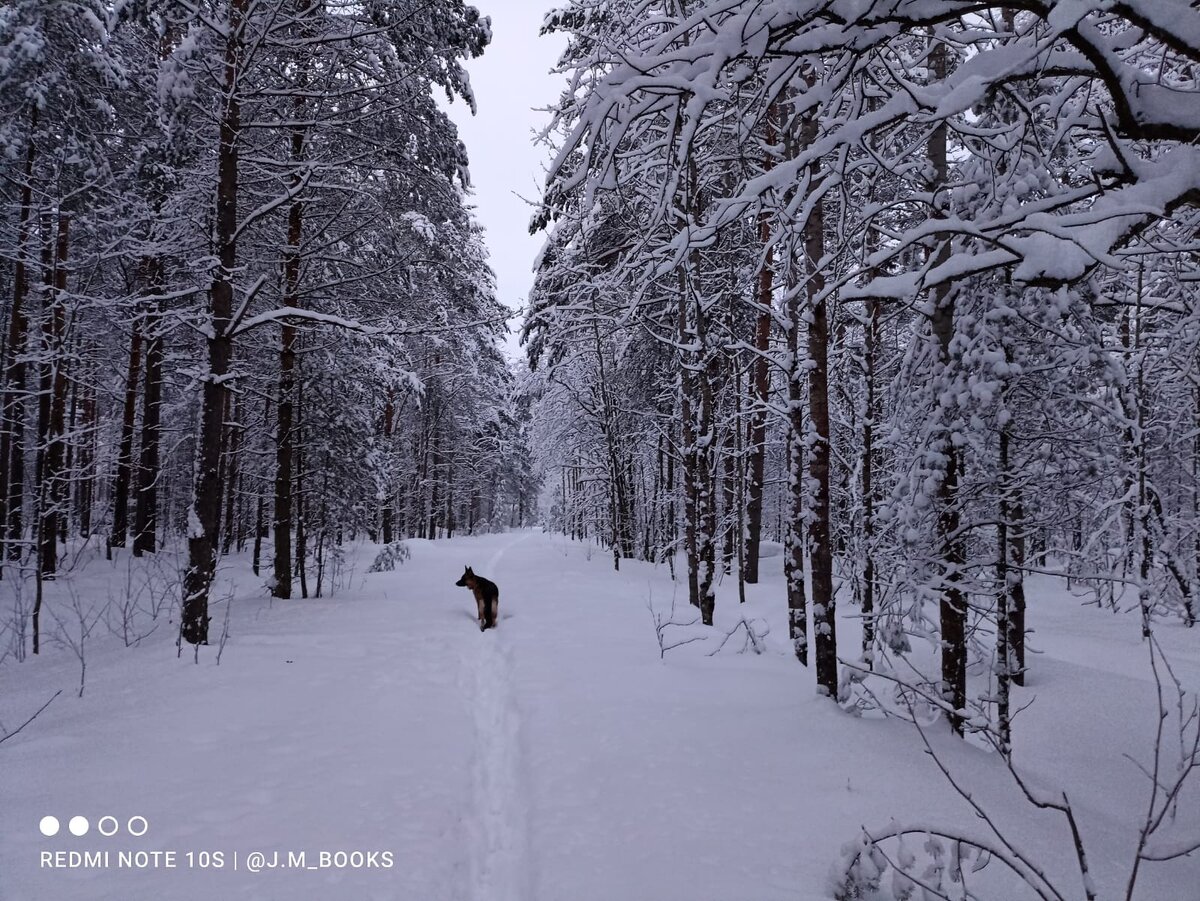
243, 283
862, 354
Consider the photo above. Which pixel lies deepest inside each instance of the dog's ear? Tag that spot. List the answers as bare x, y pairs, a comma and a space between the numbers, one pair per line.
471, 571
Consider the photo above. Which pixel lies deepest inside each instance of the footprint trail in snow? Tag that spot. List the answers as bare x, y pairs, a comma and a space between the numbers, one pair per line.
499, 828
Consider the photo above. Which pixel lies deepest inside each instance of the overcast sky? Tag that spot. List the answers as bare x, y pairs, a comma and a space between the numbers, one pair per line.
510, 80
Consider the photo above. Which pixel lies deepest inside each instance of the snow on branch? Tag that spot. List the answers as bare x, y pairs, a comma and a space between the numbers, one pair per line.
680, 83
280, 314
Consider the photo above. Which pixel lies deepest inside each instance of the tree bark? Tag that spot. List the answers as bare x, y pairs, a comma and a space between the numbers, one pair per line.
758, 419
387, 514
145, 527
259, 524
688, 461
204, 516
824, 604
51, 481
232, 475
706, 495
70, 461
761, 382
870, 354
86, 460
120, 525
729, 494
1004, 658
793, 561
282, 583
953, 603
145, 521
12, 439
284, 441
301, 535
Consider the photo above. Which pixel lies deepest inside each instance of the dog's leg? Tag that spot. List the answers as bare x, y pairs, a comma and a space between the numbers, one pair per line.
493, 611
481, 605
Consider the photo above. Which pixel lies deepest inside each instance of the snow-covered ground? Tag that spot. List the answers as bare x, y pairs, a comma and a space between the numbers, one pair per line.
557, 758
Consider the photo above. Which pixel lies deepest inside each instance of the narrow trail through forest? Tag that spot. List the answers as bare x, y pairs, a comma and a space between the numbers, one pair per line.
500, 840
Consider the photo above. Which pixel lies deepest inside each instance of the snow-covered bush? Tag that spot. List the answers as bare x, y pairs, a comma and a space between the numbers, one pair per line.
389, 557
927, 865
915, 862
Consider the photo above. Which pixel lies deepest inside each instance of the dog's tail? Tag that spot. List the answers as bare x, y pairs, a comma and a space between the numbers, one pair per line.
491, 610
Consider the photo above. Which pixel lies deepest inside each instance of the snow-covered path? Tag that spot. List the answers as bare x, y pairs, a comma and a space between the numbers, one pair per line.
499, 838
554, 759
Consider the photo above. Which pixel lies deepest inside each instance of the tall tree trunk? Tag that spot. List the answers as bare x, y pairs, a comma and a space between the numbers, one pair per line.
421, 492
448, 507
51, 484
1125, 317
729, 495
761, 382
145, 515
435, 470
323, 520
1015, 581
260, 512
870, 416
824, 604
204, 516
12, 438
620, 515
671, 521
145, 528
1144, 527
793, 560
389, 501
86, 460
739, 502
120, 525
41, 494
70, 460
43, 368
301, 534
870, 354
284, 441
282, 583
953, 604
706, 495
1004, 657
260, 521
688, 455
232, 474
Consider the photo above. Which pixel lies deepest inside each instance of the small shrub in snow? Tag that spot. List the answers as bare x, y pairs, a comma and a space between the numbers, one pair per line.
916, 862
663, 621
340, 569
936, 866
754, 639
73, 627
389, 557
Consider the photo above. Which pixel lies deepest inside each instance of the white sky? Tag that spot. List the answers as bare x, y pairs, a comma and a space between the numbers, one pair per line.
510, 80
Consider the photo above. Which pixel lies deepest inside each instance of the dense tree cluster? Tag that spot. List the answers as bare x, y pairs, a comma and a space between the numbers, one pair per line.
245, 300
909, 286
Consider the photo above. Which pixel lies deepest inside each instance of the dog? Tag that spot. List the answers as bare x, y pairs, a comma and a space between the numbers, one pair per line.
487, 597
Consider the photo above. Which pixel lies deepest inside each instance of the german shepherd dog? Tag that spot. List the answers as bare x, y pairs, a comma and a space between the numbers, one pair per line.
487, 597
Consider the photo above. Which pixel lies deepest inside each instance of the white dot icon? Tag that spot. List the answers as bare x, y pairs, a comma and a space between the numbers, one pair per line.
78, 825
137, 826
108, 826
49, 825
